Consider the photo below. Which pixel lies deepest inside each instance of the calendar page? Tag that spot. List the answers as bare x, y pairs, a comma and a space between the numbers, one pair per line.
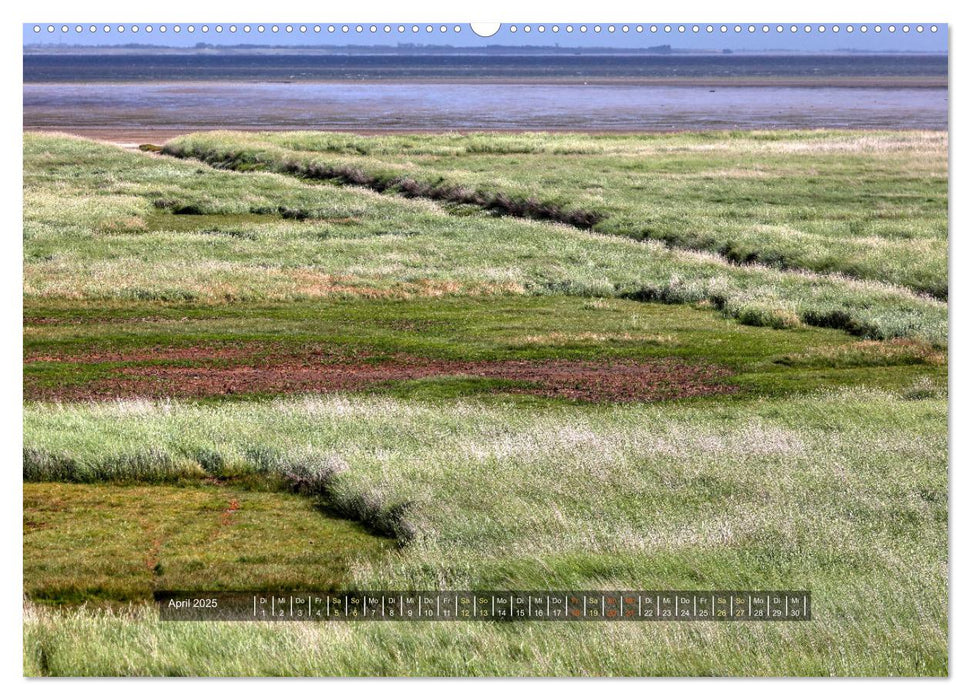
495, 349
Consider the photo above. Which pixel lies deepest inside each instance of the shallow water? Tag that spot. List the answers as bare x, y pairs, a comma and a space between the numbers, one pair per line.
467, 106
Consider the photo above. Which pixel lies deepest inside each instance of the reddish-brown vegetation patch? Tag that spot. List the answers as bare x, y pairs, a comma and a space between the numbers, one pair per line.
248, 370
249, 352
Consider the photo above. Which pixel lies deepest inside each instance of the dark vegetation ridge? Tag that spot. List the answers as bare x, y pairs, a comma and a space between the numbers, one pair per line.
498, 203
387, 183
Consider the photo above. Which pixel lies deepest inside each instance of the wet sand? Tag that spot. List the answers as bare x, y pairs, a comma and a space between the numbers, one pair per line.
158, 111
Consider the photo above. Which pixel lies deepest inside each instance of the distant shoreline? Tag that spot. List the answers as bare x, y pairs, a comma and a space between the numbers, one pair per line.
889, 82
565, 68
137, 136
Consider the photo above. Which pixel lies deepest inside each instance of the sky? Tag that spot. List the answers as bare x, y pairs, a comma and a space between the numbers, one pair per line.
873, 39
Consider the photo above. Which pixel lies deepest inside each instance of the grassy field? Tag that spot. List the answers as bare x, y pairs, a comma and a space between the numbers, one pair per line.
102, 223
872, 206
843, 494
321, 361
199, 534
140, 349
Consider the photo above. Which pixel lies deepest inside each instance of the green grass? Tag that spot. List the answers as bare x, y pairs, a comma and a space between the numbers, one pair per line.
136, 643
842, 494
869, 205
762, 360
119, 543
99, 226
811, 266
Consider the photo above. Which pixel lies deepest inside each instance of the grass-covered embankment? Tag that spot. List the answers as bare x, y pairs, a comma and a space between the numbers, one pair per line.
102, 224
869, 205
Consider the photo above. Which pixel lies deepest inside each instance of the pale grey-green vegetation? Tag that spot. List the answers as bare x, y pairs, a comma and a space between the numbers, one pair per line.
841, 493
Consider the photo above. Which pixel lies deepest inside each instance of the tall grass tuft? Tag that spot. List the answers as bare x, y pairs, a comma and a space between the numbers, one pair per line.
149, 464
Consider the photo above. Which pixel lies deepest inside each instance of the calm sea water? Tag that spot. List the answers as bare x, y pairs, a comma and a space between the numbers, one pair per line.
201, 92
